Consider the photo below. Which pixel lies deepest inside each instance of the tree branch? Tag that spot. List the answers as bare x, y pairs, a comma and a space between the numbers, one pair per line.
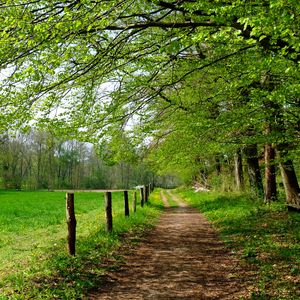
154, 24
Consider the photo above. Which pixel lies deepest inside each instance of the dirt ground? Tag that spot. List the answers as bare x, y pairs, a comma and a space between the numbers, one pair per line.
182, 258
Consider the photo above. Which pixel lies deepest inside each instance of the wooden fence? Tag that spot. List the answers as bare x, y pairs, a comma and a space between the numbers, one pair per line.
71, 218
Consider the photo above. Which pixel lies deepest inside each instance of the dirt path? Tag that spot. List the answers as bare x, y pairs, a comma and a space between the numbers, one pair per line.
183, 258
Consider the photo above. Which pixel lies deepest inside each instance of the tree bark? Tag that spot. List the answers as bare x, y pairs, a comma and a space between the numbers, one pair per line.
254, 174
288, 174
290, 182
238, 170
270, 174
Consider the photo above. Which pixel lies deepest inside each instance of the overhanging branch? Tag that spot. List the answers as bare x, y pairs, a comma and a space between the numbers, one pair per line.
153, 24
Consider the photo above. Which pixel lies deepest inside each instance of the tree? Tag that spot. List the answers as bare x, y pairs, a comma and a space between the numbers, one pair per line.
238, 167
151, 54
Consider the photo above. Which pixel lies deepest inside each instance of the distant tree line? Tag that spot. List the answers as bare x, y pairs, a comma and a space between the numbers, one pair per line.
38, 160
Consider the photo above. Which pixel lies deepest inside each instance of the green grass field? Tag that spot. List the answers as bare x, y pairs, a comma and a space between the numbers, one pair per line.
33, 252
265, 237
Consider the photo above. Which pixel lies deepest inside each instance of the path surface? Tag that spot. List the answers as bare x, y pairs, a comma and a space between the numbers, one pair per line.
183, 258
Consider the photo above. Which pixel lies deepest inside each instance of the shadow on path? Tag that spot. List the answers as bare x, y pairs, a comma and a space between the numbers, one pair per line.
183, 258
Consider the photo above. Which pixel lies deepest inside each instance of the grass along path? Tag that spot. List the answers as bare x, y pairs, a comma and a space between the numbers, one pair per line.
33, 255
182, 258
265, 238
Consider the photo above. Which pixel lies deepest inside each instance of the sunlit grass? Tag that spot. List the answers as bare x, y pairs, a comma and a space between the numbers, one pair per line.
34, 259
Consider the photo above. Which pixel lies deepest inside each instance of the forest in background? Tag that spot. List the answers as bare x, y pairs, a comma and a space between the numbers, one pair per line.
38, 160
210, 89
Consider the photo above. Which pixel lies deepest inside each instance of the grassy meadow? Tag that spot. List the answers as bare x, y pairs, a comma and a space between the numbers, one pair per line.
33, 252
265, 237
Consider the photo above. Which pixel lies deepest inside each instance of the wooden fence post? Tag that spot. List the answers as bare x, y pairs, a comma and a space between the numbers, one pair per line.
108, 212
146, 193
126, 204
152, 186
134, 201
142, 197
71, 221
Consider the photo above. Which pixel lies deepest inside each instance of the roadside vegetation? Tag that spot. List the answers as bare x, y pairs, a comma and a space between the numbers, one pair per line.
34, 260
265, 237
106, 94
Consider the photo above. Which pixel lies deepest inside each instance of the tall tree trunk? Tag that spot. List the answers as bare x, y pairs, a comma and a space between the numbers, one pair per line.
289, 177
238, 170
254, 174
273, 114
270, 174
290, 182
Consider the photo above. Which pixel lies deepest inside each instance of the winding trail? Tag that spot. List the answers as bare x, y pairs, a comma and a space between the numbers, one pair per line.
182, 258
